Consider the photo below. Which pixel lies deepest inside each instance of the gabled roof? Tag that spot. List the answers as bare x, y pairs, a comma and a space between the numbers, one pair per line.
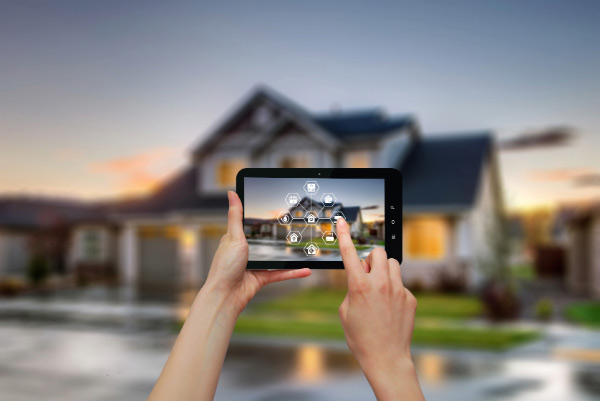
443, 173
332, 130
292, 110
373, 122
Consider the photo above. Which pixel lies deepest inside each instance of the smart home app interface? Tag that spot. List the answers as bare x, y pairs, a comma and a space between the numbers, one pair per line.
295, 218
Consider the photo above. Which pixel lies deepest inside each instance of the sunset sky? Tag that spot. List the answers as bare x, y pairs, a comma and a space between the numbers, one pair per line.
99, 99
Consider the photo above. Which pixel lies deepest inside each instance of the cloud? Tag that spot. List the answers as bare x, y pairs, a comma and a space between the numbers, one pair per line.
587, 180
581, 177
140, 172
549, 137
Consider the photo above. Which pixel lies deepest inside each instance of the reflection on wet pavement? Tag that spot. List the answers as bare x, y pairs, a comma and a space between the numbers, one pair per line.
51, 361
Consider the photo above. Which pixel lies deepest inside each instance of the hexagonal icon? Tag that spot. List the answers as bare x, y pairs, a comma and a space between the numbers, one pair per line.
328, 199
292, 199
329, 237
294, 237
311, 249
311, 218
336, 215
311, 187
285, 218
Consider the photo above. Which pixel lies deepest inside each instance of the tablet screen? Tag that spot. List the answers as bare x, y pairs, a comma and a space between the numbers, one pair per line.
295, 218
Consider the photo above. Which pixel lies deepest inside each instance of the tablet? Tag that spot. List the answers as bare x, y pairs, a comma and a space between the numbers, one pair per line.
290, 214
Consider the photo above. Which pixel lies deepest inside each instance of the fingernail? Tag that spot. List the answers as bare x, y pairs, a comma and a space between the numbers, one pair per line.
229, 193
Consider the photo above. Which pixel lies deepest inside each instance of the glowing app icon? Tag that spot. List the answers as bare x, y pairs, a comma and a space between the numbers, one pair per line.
311, 187
294, 237
292, 199
311, 249
336, 216
311, 218
328, 199
284, 218
329, 237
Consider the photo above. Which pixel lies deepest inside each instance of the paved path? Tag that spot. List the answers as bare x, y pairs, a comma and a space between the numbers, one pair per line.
64, 362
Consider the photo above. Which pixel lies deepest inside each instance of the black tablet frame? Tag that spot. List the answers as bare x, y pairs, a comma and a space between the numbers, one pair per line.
393, 208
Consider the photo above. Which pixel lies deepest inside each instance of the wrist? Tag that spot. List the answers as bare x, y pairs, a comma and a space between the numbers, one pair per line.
220, 298
390, 377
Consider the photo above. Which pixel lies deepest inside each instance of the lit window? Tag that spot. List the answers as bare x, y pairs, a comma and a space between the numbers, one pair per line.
359, 160
425, 238
227, 171
293, 162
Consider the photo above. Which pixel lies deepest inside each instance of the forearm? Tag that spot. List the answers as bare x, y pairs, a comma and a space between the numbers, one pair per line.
193, 368
393, 381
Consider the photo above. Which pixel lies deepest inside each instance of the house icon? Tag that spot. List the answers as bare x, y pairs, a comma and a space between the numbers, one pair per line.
294, 237
328, 199
311, 250
311, 218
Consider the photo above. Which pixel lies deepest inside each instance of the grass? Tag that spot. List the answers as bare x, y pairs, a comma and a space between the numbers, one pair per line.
313, 314
327, 246
584, 313
523, 272
443, 336
320, 300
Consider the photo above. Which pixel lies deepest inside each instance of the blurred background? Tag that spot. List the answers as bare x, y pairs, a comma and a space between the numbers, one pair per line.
124, 123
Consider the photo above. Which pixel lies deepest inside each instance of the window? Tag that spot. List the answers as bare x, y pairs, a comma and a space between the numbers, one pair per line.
293, 162
92, 245
359, 159
226, 172
425, 238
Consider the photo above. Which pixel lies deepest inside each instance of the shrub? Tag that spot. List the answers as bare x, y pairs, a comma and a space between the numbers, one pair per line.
38, 270
500, 301
544, 309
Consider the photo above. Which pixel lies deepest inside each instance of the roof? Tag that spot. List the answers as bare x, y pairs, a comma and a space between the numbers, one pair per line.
371, 122
443, 172
180, 193
22, 212
351, 213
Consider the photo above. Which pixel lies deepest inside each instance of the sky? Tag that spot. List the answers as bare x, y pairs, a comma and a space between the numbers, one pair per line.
265, 198
99, 99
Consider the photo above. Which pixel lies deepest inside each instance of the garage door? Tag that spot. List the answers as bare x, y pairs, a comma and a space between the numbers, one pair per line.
158, 262
211, 237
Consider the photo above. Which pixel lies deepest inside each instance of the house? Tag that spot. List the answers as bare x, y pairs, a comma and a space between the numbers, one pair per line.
451, 190
583, 256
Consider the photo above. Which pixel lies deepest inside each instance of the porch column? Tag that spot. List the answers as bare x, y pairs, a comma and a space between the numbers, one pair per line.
189, 256
128, 250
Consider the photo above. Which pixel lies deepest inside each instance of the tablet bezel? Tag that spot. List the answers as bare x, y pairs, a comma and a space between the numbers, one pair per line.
393, 208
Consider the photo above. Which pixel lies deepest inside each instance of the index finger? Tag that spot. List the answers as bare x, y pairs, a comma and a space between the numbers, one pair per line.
350, 258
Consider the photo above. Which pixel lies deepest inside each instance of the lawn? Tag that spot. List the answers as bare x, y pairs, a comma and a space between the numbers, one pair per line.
313, 314
585, 313
328, 246
328, 301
